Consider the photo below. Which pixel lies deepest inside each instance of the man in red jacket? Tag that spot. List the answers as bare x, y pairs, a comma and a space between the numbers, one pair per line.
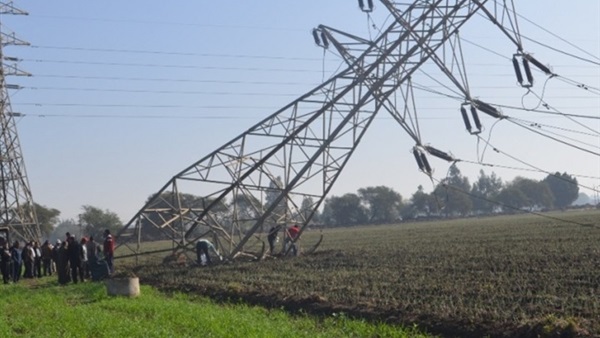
290, 239
109, 250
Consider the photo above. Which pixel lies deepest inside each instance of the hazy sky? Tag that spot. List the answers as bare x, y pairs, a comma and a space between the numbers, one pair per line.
125, 94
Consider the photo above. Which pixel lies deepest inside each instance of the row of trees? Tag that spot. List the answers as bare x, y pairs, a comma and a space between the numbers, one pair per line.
91, 221
453, 196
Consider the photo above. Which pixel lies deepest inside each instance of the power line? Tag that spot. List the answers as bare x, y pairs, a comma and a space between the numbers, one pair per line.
566, 80
173, 116
583, 86
493, 165
562, 51
172, 66
510, 29
146, 91
461, 99
558, 37
547, 106
216, 93
129, 116
116, 105
139, 51
149, 79
540, 125
514, 158
171, 23
63, 104
240, 56
555, 139
550, 112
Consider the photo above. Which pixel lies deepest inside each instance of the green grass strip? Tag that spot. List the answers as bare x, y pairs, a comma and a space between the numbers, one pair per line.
41, 308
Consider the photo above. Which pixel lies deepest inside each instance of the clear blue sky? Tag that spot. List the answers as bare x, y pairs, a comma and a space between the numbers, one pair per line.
125, 94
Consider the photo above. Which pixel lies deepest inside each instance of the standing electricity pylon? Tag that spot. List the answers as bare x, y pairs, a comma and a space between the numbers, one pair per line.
280, 170
17, 210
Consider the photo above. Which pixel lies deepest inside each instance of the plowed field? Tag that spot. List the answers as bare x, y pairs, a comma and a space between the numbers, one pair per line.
501, 276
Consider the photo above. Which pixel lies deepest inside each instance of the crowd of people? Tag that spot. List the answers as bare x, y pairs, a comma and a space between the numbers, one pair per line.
72, 260
77, 260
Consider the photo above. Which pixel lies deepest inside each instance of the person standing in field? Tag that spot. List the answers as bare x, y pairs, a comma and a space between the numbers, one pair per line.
47, 258
291, 239
109, 250
37, 260
202, 248
5, 262
83, 257
55, 249
272, 237
28, 257
17, 261
92, 249
62, 263
74, 254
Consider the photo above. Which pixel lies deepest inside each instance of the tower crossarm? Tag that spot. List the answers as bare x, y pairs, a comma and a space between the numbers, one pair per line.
428, 47
343, 48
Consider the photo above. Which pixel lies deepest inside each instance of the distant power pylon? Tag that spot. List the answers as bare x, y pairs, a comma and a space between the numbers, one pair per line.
281, 169
17, 210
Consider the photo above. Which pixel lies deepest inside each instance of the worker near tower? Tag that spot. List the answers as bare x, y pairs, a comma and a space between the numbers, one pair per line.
109, 250
291, 239
203, 246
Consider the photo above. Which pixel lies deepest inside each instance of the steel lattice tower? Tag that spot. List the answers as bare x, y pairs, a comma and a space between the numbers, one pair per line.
281, 169
17, 210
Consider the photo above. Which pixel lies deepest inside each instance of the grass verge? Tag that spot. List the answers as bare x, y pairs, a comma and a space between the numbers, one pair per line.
41, 308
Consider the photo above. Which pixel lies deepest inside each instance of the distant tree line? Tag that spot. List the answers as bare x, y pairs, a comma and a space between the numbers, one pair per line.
92, 221
453, 196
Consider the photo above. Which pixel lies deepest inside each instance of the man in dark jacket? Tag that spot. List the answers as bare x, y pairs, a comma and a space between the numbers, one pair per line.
17, 261
5, 262
74, 255
272, 237
47, 258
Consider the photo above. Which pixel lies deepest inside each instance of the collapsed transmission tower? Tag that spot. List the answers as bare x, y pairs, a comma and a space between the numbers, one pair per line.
281, 169
17, 210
